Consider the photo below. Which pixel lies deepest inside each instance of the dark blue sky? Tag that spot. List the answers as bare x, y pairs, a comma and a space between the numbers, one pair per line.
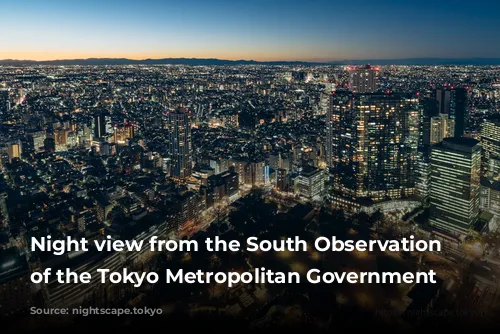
260, 30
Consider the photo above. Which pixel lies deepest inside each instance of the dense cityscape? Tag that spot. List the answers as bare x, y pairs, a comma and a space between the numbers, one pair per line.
186, 152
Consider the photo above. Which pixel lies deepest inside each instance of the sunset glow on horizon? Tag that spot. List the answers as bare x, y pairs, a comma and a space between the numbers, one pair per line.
258, 30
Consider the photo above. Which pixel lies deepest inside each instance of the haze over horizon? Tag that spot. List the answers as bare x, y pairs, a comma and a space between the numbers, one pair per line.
312, 61
317, 31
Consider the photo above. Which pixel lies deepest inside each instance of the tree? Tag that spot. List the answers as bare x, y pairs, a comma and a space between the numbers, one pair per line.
376, 220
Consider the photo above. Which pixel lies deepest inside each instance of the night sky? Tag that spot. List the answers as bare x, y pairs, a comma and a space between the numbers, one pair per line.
314, 30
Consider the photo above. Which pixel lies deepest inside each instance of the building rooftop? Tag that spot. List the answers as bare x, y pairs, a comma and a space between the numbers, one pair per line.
461, 141
461, 144
12, 265
309, 171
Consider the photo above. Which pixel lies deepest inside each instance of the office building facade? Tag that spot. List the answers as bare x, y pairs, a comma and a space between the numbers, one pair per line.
371, 144
490, 141
455, 185
99, 125
363, 79
310, 183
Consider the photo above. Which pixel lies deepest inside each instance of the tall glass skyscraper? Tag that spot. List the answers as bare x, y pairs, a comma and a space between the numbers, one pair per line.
371, 144
429, 110
455, 184
453, 103
180, 146
490, 140
99, 125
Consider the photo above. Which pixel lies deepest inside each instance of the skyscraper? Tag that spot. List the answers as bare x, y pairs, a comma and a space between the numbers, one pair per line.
453, 102
37, 138
4, 102
14, 150
180, 147
282, 179
429, 110
441, 127
490, 140
455, 184
363, 79
371, 144
443, 96
99, 125
459, 111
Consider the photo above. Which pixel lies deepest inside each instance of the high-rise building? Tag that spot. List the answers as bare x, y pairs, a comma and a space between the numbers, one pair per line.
14, 150
455, 184
83, 217
453, 102
282, 179
180, 146
423, 175
490, 141
429, 110
256, 173
363, 79
4, 102
186, 213
443, 96
460, 111
15, 285
240, 167
219, 165
38, 139
441, 127
222, 187
61, 139
99, 125
311, 183
435, 125
85, 135
123, 132
371, 144
490, 196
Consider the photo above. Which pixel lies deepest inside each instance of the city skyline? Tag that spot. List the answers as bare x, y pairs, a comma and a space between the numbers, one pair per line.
259, 31
274, 152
